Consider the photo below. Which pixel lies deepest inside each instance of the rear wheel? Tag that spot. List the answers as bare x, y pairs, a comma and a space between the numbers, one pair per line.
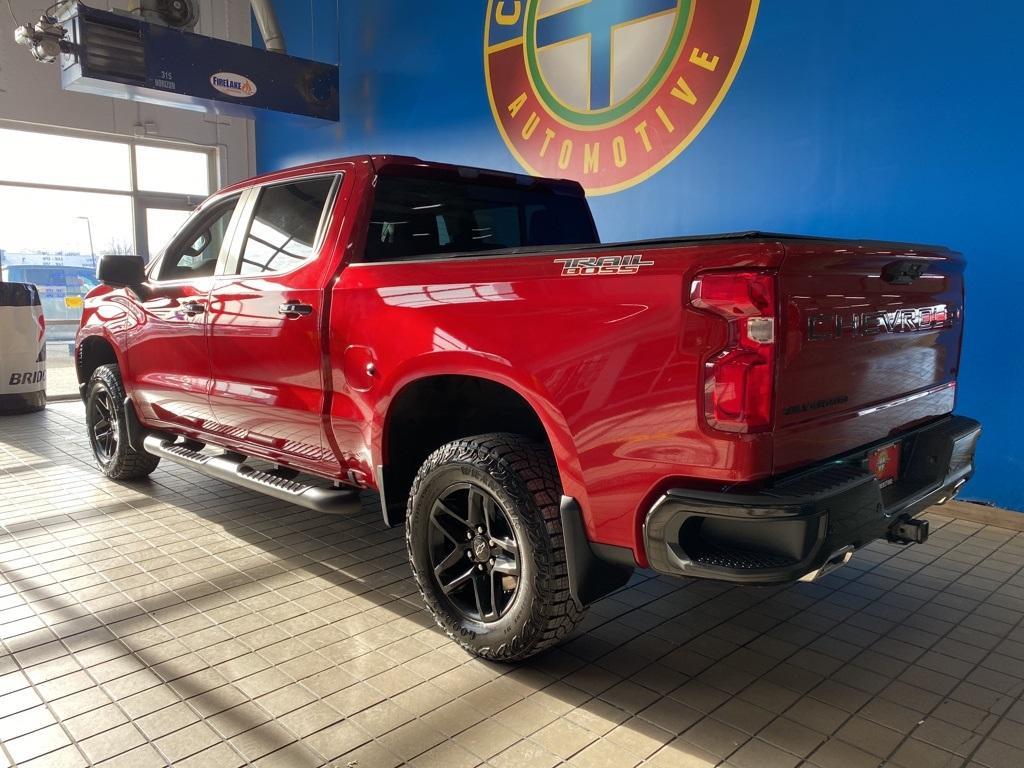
106, 421
485, 542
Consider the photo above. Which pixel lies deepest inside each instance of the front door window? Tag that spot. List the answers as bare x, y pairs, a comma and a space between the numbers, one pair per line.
195, 252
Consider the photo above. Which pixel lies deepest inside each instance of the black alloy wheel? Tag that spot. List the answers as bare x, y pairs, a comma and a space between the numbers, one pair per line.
104, 426
485, 542
474, 553
107, 423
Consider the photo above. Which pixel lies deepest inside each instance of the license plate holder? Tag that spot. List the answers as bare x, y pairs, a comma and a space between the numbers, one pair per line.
884, 463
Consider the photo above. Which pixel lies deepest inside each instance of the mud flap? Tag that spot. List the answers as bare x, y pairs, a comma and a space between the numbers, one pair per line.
590, 577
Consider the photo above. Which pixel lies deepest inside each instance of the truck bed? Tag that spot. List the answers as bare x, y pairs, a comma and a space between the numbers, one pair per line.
750, 236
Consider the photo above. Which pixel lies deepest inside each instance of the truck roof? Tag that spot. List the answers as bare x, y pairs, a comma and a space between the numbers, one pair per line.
382, 161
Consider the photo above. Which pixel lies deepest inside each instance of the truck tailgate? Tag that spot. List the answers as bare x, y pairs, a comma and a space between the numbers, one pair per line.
870, 345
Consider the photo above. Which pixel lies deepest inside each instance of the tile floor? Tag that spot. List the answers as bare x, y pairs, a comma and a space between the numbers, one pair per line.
180, 621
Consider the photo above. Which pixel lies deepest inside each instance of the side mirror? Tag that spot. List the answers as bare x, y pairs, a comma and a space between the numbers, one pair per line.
121, 271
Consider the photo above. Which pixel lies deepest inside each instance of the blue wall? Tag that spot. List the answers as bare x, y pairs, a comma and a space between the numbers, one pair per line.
855, 118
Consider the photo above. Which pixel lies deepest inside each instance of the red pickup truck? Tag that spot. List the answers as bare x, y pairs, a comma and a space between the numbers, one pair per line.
543, 412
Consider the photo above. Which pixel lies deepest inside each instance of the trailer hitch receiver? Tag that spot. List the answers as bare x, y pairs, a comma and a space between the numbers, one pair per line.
909, 531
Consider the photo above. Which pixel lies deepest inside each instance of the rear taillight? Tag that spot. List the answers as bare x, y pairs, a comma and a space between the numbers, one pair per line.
739, 379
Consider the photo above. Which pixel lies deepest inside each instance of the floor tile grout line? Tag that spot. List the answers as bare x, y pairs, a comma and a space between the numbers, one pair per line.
711, 597
999, 718
967, 572
209, 666
116, 701
102, 686
752, 737
908, 735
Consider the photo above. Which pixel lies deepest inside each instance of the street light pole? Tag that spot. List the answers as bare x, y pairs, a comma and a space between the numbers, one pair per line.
88, 226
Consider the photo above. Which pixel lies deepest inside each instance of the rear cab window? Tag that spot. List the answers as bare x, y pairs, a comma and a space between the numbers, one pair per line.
434, 213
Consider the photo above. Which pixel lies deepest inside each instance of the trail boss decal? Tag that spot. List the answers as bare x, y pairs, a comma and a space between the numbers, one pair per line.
603, 265
231, 84
608, 92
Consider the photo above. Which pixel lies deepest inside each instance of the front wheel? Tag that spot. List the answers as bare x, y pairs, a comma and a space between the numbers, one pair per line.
107, 423
485, 542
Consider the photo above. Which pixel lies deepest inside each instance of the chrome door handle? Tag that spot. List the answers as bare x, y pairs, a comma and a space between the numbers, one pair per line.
192, 308
294, 309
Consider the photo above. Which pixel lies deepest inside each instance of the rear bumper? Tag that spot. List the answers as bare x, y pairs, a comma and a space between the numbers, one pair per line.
804, 524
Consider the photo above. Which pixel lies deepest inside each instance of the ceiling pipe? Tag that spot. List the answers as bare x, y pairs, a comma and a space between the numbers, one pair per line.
266, 20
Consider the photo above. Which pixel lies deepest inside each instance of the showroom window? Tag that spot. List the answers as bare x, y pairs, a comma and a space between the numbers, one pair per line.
68, 197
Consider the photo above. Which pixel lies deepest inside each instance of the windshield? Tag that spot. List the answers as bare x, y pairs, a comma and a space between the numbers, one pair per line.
415, 216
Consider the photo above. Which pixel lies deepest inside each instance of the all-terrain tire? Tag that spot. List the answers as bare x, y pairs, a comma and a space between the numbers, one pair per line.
520, 474
117, 459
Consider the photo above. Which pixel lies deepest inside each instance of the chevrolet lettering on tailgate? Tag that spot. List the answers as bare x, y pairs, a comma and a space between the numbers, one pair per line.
835, 325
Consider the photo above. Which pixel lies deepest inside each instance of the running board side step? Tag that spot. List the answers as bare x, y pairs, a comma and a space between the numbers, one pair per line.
328, 501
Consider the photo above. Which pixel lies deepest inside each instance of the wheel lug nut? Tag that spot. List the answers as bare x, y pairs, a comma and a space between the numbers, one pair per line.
493, 560
480, 567
469, 534
479, 529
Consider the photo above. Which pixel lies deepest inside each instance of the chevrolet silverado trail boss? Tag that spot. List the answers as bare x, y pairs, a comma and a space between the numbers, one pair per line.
543, 412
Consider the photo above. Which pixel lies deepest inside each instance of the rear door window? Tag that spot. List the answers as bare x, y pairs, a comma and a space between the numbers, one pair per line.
422, 216
285, 226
